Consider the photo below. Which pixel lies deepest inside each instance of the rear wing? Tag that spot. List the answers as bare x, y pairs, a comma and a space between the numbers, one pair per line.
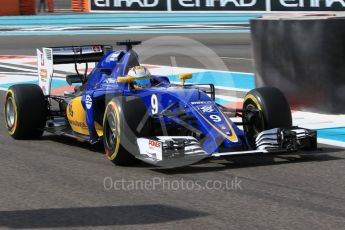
48, 57
79, 54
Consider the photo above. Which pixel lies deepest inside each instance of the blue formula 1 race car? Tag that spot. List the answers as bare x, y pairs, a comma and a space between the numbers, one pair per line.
140, 116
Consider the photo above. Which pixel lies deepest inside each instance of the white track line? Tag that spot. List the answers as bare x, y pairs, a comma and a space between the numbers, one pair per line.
331, 142
17, 68
27, 70
229, 98
235, 58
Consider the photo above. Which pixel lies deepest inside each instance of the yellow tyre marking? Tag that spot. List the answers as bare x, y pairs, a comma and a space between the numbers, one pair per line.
12, 130
256, 102
113, 105
254, 99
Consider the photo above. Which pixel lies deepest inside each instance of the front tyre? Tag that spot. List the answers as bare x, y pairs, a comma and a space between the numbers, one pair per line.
122, 124
25, 111
265, 108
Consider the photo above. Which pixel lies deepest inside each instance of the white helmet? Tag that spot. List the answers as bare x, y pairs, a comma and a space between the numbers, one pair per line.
141, 75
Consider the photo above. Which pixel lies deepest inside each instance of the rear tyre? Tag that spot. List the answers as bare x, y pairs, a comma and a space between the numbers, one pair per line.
265, 108
25, 111
123, 118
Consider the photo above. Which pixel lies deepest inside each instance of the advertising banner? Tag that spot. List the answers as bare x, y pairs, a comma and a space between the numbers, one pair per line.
129, 5
217, 5
307, 5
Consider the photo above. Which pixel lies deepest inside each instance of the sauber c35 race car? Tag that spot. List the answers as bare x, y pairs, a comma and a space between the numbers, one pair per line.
168, 125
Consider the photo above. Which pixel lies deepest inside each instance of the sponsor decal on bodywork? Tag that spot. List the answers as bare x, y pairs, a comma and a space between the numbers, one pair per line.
88, 102
45, 69
151, 148
78, 124
207, 108
165, 147
201, 102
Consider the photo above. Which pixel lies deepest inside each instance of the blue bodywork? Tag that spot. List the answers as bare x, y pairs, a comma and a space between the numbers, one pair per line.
219, 132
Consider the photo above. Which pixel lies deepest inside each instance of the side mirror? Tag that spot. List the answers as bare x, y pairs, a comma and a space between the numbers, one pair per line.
126, 79
184, 77
71, 79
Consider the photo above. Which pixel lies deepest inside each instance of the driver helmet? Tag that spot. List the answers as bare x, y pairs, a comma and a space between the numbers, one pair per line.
141, 75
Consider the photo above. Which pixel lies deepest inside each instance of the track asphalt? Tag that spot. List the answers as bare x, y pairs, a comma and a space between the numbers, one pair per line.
59, 183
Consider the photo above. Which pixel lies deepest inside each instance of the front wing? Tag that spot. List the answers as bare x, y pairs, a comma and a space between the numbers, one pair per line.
184, 150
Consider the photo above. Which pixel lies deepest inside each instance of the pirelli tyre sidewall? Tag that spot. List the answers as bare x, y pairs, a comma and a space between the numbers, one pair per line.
25, 111
121, 119
274, 110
